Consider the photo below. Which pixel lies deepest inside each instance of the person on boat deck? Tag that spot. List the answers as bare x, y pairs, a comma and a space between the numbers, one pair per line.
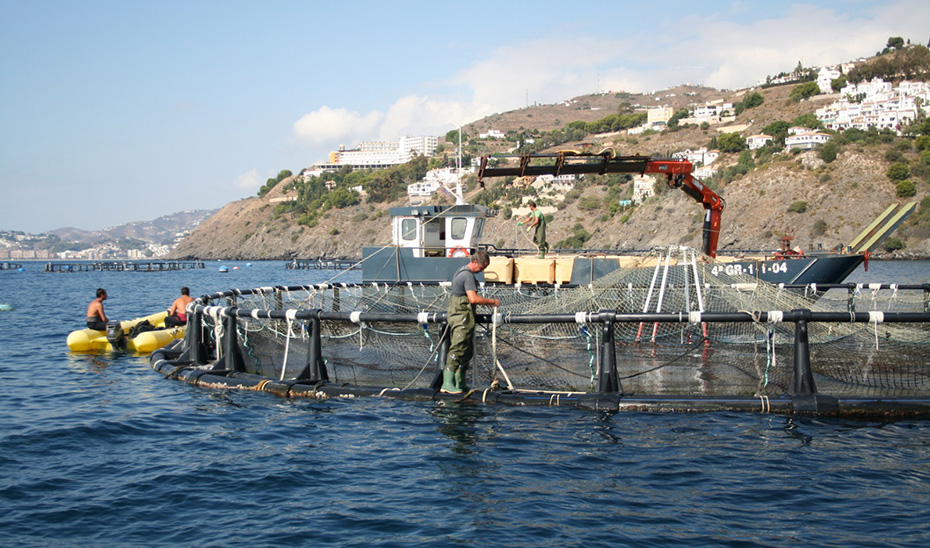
461, 320
537, 221
96, 317
177, 314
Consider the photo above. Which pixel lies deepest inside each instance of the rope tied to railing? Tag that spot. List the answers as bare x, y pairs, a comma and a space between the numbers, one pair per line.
291, 315
495, 319
876, 317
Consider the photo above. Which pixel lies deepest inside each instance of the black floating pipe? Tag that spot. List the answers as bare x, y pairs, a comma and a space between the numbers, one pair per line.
608, 380
315, 370
803, 381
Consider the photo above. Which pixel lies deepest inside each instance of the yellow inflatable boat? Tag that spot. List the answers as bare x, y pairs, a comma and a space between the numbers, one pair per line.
91, 340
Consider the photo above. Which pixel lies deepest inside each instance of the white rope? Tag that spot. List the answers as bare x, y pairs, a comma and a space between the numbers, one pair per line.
581, 317
290, 314
496, 316
694, 316
876, 317
776, 316
354, 316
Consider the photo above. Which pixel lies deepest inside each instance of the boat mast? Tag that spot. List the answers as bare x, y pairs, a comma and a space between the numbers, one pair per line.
459, 199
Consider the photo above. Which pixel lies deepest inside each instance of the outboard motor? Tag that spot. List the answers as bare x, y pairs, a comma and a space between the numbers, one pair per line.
115, 335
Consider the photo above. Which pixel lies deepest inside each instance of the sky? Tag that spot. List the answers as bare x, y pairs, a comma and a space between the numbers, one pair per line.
114, 111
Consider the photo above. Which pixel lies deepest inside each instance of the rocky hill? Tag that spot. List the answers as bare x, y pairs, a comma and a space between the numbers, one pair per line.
163, 230
841, 197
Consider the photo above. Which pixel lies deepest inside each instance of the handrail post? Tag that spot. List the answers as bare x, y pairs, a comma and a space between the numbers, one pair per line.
315, 369
608, 380
803, 381
194, 347
232, 357
198, 350
442, 352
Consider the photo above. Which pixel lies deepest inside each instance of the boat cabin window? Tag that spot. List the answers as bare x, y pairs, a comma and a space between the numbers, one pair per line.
408, 229
459, 224
479, 227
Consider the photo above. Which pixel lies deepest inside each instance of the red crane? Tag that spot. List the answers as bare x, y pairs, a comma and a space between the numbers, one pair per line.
677, 172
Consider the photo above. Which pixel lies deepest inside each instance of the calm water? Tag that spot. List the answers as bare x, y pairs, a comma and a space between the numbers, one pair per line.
103, 451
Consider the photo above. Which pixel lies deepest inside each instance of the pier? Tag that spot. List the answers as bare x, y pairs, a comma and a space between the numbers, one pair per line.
123, 266
324, 264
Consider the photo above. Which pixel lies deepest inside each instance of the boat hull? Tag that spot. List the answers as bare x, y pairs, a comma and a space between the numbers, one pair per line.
399, 265
92, 340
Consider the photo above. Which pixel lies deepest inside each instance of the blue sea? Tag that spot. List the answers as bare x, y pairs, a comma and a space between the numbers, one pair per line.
99, 450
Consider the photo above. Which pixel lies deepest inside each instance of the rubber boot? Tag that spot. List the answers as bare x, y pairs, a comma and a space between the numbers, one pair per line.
460, 376
449, 384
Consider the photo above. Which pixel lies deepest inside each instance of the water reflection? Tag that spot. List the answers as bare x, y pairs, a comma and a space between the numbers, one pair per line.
458, 422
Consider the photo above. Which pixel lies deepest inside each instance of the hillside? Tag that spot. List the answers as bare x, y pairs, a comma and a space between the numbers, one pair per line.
841, 197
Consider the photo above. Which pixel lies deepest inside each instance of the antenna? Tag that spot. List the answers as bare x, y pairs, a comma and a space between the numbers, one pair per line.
459, 199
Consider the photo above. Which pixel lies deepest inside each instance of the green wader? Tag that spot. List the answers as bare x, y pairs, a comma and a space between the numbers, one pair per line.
461, 330
539, 237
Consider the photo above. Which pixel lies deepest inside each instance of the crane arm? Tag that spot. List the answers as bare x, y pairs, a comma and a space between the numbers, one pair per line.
677, 172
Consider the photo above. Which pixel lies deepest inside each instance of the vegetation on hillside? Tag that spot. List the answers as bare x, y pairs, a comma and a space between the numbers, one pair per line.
314, 196
902, 63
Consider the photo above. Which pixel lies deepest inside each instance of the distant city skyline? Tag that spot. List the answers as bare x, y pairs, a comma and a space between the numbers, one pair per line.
114, 112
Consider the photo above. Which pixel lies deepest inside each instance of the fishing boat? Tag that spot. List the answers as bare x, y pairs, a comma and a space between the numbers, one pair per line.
430, 242
129, 336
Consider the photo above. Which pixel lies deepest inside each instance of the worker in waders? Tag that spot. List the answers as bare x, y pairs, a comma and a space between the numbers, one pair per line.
537, 223
461, 321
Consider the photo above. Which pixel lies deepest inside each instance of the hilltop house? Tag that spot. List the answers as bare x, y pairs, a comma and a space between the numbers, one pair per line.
825, 78
806, 141
758, 141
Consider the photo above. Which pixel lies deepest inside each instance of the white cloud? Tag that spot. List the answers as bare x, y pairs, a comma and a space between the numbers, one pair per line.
326, 125
413, 116
248, 181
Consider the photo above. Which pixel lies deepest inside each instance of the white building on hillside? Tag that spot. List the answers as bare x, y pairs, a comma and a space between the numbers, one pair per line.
380, 154
436, 179
876, 104
825, 78
758, 141
712, 111
700, 156
806, 141
644, 186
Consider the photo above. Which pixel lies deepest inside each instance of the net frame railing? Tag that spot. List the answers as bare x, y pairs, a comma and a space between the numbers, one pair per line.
305, 328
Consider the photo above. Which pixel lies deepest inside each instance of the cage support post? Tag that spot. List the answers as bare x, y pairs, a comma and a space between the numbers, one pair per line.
195, 343
441, 353
232, 357
608, 380
195, 350
804, 390
315, 369
803, 381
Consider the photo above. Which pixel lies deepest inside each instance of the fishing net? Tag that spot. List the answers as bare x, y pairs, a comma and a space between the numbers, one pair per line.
547, 338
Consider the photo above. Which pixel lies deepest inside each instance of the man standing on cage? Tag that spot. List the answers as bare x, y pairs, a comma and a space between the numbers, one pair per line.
461, 319
537, 222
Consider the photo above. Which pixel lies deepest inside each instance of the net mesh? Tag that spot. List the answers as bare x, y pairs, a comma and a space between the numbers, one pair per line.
653, 358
